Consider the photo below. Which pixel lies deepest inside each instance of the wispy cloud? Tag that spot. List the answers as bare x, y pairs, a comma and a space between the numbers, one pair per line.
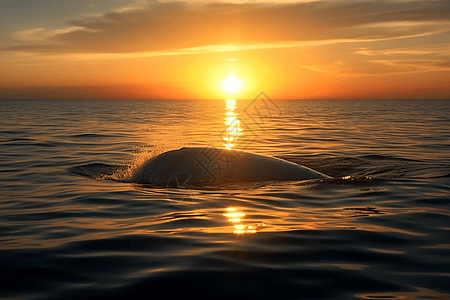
92, 15
41, 33
145, 26
136, 5
439, 50
415, 65
412, 59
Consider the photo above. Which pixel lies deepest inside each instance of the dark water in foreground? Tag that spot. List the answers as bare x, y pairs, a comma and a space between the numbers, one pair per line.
380, 229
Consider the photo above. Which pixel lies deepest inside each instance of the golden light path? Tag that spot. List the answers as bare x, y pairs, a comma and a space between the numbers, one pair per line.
232, 122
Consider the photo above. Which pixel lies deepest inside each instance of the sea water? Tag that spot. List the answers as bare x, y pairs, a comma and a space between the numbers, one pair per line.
380, 228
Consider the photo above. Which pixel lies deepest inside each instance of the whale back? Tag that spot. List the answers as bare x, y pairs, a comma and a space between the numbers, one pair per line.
211, 164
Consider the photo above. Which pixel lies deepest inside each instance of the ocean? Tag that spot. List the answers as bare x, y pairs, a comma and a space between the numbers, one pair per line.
75, 225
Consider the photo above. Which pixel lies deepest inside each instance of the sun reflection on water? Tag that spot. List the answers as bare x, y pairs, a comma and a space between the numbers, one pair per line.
235, 216
232, 121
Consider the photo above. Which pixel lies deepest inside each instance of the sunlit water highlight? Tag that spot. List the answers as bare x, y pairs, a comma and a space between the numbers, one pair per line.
378, 229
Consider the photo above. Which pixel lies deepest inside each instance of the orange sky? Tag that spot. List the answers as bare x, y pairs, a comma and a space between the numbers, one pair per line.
184, 50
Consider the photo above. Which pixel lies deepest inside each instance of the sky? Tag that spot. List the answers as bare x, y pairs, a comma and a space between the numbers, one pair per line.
126, 49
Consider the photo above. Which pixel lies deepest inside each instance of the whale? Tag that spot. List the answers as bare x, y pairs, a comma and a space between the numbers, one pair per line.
208, 164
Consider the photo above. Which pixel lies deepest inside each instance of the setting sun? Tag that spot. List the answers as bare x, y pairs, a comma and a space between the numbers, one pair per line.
231, 84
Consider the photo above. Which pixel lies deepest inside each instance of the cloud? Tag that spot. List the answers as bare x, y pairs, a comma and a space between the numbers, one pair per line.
92, 15
171, 26
439, 50
41, 33
417, 65
29, 34
422, 58
139, 4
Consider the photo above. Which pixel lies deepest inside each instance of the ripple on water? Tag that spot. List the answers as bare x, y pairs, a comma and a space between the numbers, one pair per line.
377, 230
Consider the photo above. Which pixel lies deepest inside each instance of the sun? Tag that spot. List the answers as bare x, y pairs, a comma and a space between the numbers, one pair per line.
231, 84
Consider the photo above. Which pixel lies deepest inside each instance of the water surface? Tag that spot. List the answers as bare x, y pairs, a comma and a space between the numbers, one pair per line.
379, 229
